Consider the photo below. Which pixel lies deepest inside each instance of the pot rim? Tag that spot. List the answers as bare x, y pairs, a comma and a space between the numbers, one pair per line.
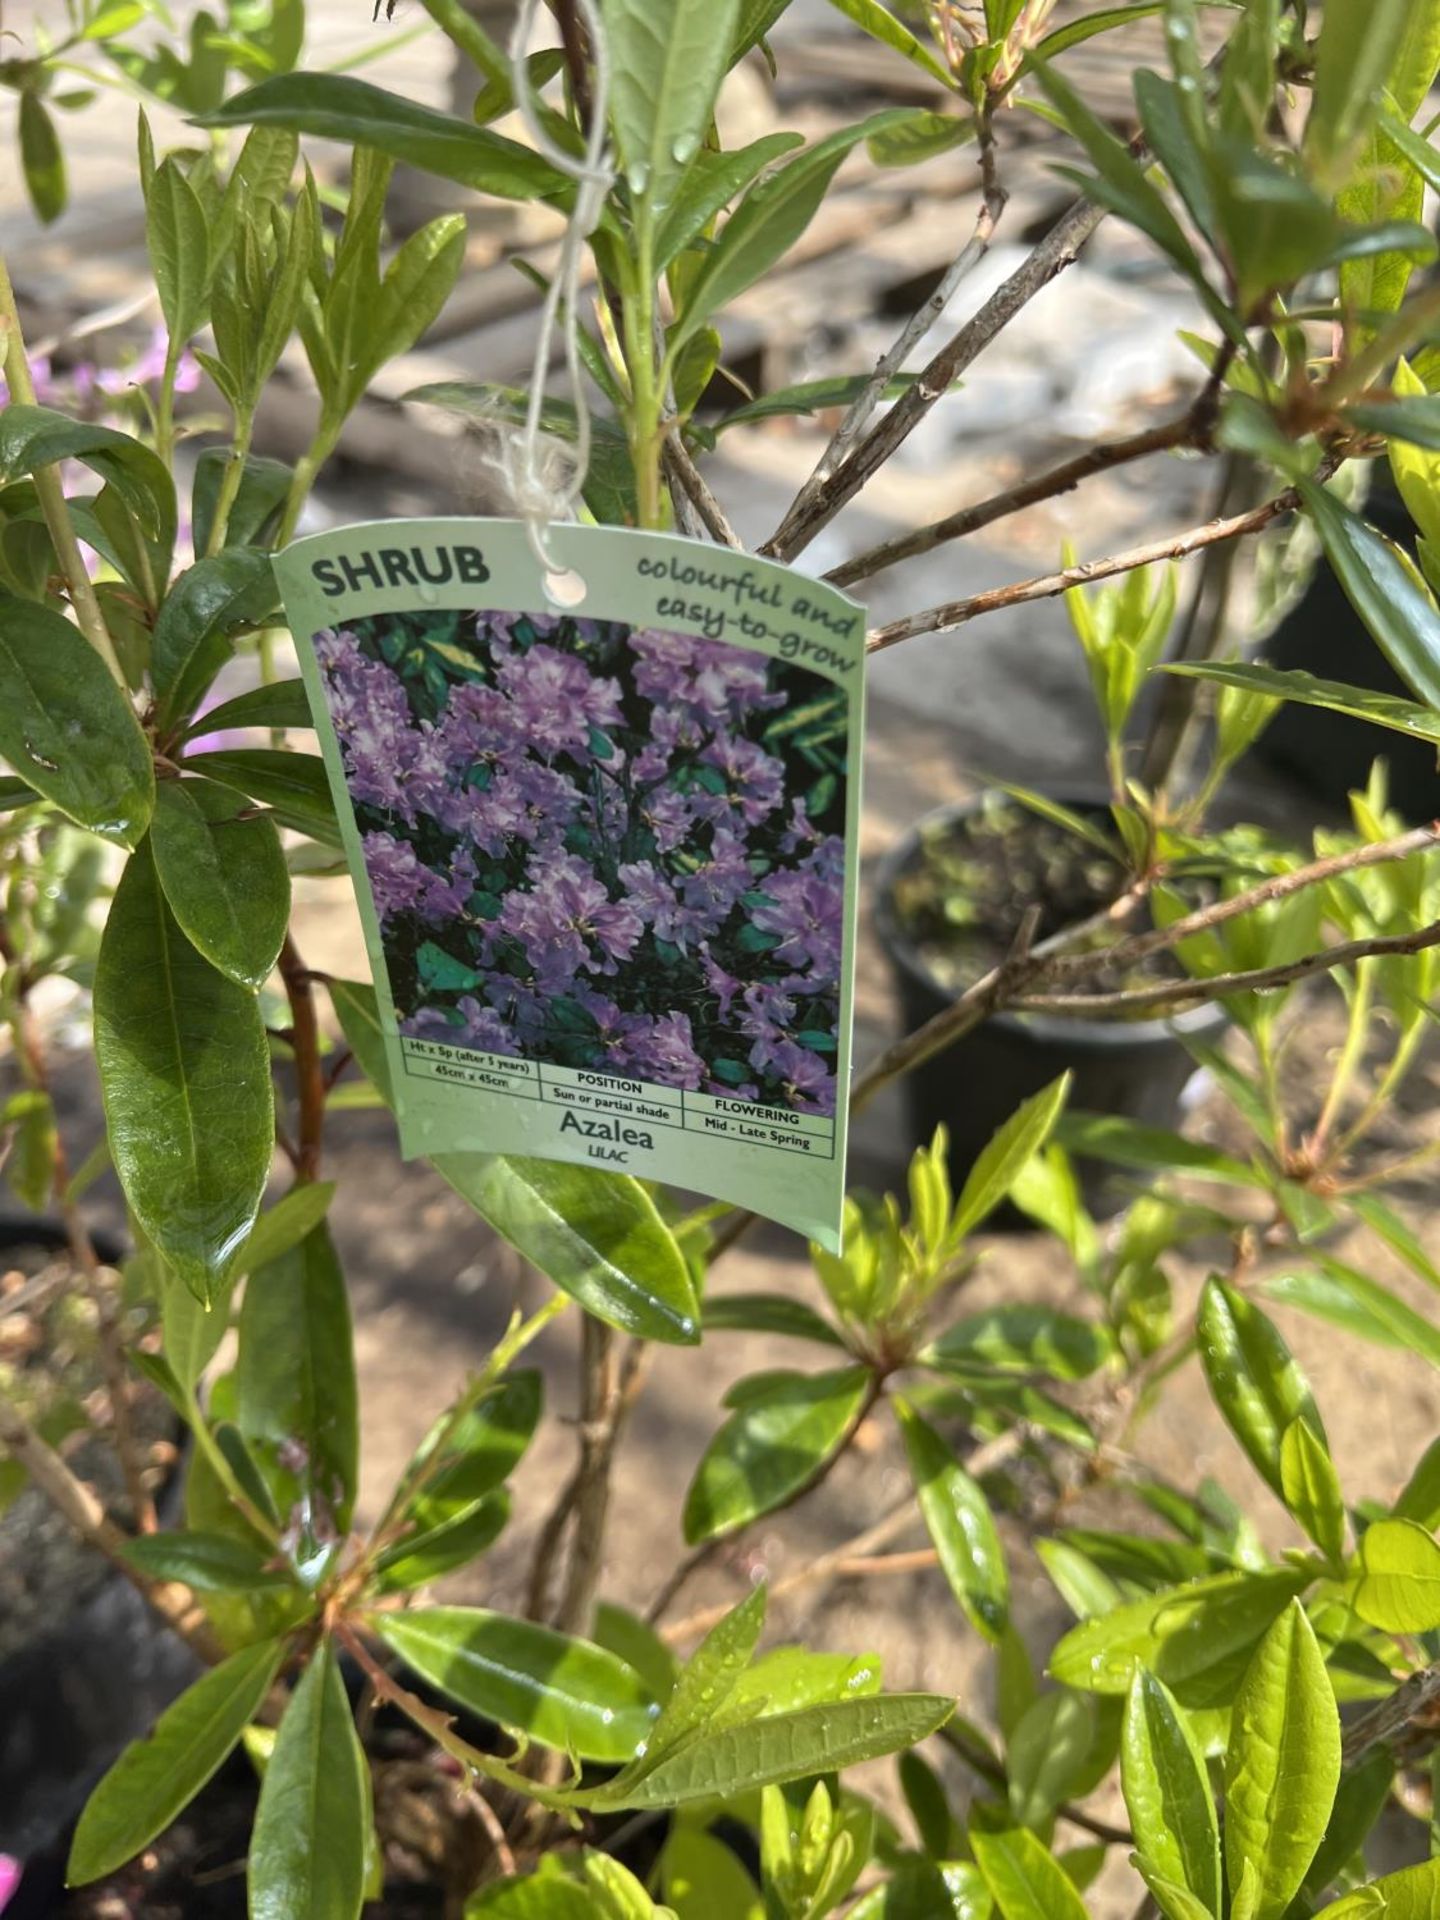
1070, 1030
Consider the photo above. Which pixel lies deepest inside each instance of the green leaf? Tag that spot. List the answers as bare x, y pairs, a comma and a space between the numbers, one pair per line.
1282, 1765
928, 1890
598, 1236
1394, 608
1026, 1880
65, 726
1310, 1487
771, 1446
1006, 1153
286, 1224
209, 1562
178, 236
334, 106
224, 876
1399, 1586
307, 1853
191, 1329
1126, 1143
1414, 420
256, 510
920, 136
1384, 709
296, 1380
564, 1692
156, 1777
777, 1748
1190, 1636
191, 642
881, 25
1023, 1339
1356, 47
1363, 1793
776, 1313
1347, 1299
28, 1131
959, 1521
1105, 20
293, 785
767, 223
1048, 1754
1411, 1894
42, 159
281, 705
708, 185
33, 437
666, 64
421, 1558
1253, 1377
788, 1678
635, 1642
1167, 1791
703, 1880
185, 1072
546, 1894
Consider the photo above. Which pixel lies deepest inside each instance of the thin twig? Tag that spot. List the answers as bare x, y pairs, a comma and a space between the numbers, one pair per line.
1060, 248
309, 1068
957, 613
608, 1396
1414, 1696
891, 362
682, 472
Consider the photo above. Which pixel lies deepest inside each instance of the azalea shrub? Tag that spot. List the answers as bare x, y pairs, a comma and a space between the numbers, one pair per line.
1237, 1720
601, 847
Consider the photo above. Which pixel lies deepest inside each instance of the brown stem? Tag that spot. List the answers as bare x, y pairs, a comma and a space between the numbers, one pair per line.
681, 471
1168, 435
1172, 993
957, 613
1060, 248
577, 57
607, 1395
1384, 1723
309, 1068
78, 1506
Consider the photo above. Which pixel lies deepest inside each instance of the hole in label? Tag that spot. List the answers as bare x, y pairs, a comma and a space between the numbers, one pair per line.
565, 588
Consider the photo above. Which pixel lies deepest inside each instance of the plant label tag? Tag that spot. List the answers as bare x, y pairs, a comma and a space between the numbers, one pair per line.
605, 851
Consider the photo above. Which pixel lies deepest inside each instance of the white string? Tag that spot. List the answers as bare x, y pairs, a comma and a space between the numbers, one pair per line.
544, 473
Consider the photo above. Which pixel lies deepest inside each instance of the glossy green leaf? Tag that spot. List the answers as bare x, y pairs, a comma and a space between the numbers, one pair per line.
257, 506
295, 1376
1048, 1754
463, 1459
1394, 608
1310, 1488
598, 1236
1384, 709
882, 25
283, 705
666, 64
780, 1747
1167, 1791
178, 236
209, 1562
224, 876
703, 1686
1399, 1585
637, 1643
1006, 1153
65, 726
564, 1692
204, 607
959, 1521
920, 136
1127, 1143
1174, 1902
1282, 1765
776, 1313
307, 1853
1024, 1877
33, 437
185, 1071
422, 1557
1346, 1298
1193, 1637
335, 106
771, 1446
1023, 1339
286, 1224
767, 223
156, 1777
191, 1329
1253, 1377
1420, 1498
1361, 1798
292, 785
929, 1890
546, 1894
1411, 1894
788, 1678
708, 185
42, 159
1105, 20
703, 1880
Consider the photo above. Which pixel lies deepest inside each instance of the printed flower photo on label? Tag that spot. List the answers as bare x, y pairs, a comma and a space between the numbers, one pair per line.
601, 847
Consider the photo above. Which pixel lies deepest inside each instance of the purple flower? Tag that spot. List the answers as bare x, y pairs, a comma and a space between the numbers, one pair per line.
808, 1082
479, 1027
653, 898
715, 885
663, 1050
563, 913
555, 700
401, 884
755, 779
807, 912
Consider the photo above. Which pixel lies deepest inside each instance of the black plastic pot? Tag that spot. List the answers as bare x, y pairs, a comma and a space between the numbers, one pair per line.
72, 1697
1137, 1069
1322, 634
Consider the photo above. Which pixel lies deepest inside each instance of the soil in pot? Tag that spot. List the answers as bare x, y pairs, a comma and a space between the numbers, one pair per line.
83, 1663
952, 899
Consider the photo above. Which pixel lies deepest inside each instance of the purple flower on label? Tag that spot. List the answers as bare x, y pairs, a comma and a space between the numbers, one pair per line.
755, 780
479, 1027
808, 1082
566, 922
653, 898
663, 1050
555, 700
723, 874
402, 885
723, 985
807, 913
